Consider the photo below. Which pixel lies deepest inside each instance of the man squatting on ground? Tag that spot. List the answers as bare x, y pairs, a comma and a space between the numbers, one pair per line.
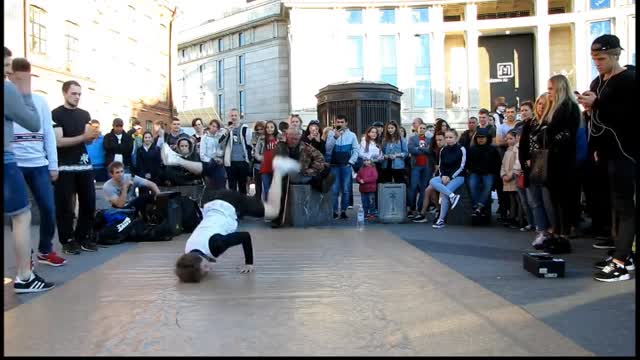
217, 231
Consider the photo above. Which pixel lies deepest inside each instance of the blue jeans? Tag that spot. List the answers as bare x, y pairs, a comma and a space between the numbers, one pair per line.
480, 196
535, 197
420, 176
522, 194
266, 185
342, 184
368, 202
445, 191
39, 181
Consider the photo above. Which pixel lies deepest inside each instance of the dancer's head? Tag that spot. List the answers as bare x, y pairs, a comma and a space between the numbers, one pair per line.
191, 268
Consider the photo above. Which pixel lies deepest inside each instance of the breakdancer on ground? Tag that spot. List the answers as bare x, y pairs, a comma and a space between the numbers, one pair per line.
217, 231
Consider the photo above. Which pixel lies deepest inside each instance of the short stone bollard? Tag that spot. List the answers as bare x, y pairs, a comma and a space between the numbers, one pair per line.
307, 207
461, 215
392, 202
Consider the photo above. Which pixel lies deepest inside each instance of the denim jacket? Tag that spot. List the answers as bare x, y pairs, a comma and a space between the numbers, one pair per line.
398, 148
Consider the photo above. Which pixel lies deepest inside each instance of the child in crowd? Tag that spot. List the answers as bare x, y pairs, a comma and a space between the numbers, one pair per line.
367, 178
526, 221
510, 167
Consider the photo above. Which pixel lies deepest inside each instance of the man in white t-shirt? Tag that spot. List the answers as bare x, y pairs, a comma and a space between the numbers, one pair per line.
119, 191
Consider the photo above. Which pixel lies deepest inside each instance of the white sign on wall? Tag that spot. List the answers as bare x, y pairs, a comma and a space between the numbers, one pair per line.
505, 70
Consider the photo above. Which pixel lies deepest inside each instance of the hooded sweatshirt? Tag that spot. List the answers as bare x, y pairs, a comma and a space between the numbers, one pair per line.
343, 150
178, 175
483, 159
218, 217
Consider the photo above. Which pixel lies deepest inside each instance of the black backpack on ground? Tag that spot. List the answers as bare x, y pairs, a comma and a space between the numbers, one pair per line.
143, 232
112, 226
166, 208
191, 214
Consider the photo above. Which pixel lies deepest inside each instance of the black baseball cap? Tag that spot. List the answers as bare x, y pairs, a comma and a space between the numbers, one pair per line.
606, 42
378, 123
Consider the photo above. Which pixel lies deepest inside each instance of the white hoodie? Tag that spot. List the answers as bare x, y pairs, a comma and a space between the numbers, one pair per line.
218, 217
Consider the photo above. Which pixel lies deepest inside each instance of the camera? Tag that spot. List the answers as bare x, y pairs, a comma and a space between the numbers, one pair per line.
338, 127
230, 123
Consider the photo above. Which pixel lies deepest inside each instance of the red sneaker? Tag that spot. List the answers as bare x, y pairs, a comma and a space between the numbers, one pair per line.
51, 259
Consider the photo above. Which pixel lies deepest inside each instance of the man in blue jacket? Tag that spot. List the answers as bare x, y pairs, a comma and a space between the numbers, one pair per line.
342, 153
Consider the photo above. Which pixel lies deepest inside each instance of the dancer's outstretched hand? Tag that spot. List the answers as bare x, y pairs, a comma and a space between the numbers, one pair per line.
245, 269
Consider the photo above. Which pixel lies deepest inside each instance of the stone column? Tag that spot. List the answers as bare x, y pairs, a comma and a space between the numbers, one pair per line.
543, 70
437, 60
582, 55
473, 77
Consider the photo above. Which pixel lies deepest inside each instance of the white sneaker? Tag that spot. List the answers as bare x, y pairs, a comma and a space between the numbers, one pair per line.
539, 240
439, 224
285, 165
454, 200
169, 157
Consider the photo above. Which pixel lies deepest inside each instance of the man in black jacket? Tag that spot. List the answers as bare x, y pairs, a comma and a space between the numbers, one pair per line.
118, 146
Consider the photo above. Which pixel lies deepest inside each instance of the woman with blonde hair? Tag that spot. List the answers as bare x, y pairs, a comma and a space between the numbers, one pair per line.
560, 121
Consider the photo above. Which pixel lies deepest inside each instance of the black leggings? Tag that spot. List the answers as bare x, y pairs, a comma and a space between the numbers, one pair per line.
237, 175
218, 244
395, 175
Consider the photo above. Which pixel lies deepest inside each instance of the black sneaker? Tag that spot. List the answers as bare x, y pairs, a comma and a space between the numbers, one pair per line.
89, 246
604, 244
612, 272
628, 264
419, 219
343, 215
71, 248
336, 216
34, 284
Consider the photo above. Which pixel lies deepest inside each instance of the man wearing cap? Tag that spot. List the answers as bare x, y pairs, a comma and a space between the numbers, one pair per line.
483, 166
118, 146
612, 94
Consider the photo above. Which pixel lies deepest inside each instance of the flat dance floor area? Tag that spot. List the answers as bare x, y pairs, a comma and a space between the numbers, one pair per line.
314, 292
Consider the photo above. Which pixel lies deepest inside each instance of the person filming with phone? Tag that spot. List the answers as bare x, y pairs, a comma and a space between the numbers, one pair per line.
612, 132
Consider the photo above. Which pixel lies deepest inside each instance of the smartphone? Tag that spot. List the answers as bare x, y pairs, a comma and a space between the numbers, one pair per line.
230, 123
338, 127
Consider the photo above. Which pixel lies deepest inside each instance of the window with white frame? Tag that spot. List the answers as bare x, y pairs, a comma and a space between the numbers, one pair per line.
240, 39
422, 96
387, 16
354, 16
221, 105
241, 101
71, 42
241, 69
354, 58
599, 4
388, 62
37, 17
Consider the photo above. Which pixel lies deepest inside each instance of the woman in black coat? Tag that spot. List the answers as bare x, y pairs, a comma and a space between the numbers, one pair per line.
562, 117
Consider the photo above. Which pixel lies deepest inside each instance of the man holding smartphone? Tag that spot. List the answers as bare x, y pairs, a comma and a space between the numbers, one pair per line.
611, 96
342, 150
237, 154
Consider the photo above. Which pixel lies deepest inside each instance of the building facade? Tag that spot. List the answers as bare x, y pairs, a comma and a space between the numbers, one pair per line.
119, 51
449, 58
239, 61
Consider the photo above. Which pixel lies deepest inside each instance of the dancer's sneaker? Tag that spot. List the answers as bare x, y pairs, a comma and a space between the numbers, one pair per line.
34, 284
169, 157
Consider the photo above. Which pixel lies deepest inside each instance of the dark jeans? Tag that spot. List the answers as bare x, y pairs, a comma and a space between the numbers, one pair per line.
218, 244
368, 203
624, 185
343, 184
39, 181
69, 184
562, 197
420, 176
480, 187
393, 175
237, 175
257, 180
598, 195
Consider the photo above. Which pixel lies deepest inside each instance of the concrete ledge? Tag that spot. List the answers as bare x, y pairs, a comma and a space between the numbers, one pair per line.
307, 207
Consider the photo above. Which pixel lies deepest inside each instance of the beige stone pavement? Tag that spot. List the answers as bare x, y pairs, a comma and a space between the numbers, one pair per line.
314, 292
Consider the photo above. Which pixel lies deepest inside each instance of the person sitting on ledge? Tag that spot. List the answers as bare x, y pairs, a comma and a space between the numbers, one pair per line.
217, 231
119, 191
314, 170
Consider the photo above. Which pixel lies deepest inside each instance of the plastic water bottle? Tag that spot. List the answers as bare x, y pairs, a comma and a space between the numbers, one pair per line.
360, 222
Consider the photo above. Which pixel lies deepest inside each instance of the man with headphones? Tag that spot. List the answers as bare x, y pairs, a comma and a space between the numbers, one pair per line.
612, 94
